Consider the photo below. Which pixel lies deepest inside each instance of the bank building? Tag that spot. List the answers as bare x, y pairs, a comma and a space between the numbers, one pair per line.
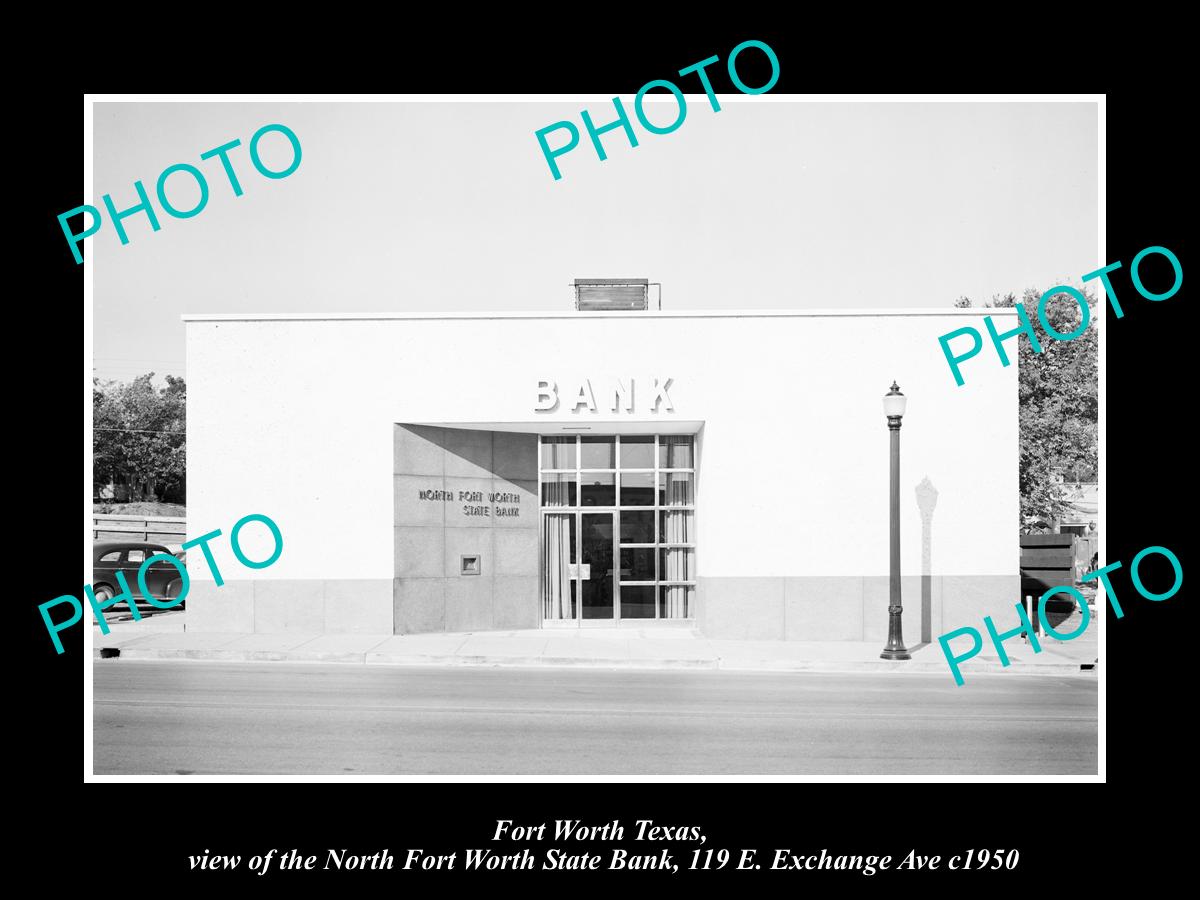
611, 464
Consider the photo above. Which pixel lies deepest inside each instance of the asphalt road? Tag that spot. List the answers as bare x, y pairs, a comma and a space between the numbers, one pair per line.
280, 718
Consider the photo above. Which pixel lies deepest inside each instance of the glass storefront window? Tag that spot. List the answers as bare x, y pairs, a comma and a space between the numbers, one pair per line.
597, 453
637, 488
637, 563
677, 564
558, 452
675, 488
632, 529
637, 602
558, 490
675, 451
637, 527
676, 527
559, 588
597, 489
676, 600
637, 452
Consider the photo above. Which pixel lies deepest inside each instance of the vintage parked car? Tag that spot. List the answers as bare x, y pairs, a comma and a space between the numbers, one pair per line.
110, 557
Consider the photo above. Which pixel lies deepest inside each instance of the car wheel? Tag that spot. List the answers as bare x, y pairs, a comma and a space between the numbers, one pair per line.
103, 594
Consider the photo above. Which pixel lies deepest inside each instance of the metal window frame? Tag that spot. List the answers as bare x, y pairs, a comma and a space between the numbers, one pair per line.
657, 509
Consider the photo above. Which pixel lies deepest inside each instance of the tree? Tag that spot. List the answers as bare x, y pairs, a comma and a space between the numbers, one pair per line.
1058, 403
138, 434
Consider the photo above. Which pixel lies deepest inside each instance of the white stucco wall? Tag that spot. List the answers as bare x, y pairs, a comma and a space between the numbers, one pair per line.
292, 417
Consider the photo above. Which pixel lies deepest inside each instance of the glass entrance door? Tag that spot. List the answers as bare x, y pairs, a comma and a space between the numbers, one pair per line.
597, 584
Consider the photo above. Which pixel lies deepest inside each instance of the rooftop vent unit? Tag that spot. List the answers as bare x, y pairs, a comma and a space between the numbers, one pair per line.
613, 294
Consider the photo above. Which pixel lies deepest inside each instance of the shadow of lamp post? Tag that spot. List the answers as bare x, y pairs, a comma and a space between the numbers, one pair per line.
893, 407
926, 500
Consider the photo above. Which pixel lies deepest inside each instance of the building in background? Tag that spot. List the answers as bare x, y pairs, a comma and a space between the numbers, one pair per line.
601, 466
1082, 510
1080, 518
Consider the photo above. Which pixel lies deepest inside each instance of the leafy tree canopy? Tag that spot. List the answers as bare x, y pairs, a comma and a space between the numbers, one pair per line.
138, 433
1058, 397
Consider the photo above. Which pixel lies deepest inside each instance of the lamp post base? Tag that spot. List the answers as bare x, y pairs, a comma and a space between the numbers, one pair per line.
895, 648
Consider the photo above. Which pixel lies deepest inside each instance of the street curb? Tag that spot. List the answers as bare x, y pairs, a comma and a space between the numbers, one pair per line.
476, 661
557, 662
903, 668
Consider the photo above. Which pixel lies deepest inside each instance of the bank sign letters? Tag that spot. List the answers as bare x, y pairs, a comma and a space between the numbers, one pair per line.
500, 504
616, 395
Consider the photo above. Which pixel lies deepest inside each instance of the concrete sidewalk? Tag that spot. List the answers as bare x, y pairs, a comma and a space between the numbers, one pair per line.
163, 637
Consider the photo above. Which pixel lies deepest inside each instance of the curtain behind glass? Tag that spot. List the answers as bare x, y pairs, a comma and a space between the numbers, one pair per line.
677, 526
676, 563
678, 488
556, 574
678, 451
558, 453
557, 490
675, 601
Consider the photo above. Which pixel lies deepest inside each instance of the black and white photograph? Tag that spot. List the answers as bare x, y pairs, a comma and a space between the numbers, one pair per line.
691, 434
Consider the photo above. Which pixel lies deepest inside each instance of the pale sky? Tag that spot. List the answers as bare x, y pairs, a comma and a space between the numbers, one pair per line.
451, 206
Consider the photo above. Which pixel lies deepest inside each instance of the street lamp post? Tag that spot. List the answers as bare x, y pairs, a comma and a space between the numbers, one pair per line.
893, 408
